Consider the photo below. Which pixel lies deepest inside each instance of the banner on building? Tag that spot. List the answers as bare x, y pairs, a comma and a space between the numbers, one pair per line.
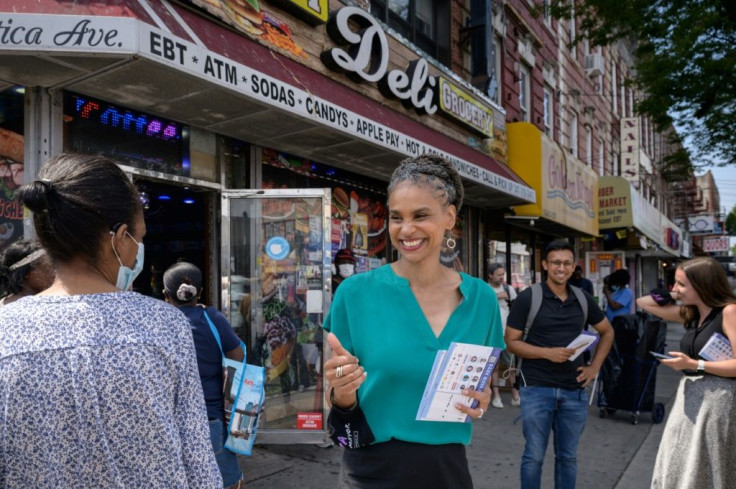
713, 245
630, 148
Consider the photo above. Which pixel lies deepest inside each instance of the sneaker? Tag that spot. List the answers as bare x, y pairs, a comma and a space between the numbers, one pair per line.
516, 402
497, 403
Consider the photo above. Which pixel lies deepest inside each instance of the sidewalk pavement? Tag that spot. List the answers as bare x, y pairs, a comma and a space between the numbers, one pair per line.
613, 452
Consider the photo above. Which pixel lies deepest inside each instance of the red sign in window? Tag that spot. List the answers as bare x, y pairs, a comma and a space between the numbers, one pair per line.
309, 421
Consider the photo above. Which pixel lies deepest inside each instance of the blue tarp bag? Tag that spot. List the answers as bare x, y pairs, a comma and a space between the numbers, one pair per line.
244, 394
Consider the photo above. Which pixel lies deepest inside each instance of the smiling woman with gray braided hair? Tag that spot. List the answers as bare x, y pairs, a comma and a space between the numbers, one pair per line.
182, 289
395, 319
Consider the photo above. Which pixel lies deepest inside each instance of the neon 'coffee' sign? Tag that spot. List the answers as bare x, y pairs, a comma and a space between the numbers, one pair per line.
367, 58
141, 124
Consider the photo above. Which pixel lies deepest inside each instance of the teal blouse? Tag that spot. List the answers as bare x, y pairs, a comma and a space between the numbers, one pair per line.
377, 318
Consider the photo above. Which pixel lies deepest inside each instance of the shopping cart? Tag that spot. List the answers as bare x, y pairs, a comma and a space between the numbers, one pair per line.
627, 379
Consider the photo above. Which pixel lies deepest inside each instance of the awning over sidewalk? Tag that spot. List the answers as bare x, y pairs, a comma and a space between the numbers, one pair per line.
565, 188
622, 209
168, 60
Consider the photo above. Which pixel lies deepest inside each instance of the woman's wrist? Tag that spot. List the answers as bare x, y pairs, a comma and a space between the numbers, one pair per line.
344, 404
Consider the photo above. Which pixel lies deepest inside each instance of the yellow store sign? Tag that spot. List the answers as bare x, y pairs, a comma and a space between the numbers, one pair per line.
566, 189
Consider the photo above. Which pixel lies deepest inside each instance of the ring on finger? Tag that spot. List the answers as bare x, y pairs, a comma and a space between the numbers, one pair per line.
338, 372
482, 412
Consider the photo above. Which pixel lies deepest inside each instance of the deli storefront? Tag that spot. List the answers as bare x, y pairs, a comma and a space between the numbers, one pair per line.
254, 158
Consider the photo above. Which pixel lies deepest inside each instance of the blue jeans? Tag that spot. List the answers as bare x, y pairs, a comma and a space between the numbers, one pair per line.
226, 460
545, 409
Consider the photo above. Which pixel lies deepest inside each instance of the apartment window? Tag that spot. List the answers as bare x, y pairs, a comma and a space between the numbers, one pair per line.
601, 157
631, 102
573, 32
574, 134
616, 165
546, 13
614, 88
497, 68
424, 22
623, 99
547, 106
524, 92
589, 146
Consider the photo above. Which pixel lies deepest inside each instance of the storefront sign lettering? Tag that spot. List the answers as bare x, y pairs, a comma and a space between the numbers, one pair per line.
459, 105
71, 32
221, 70
563, 176
167, 48
270, 89
607, 198
11, 209
83, 35
630, 148
715, 244
10, 34
368, 56
326, 112
126, 120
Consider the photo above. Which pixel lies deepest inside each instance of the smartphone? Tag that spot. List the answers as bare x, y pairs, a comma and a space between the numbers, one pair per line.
660, 355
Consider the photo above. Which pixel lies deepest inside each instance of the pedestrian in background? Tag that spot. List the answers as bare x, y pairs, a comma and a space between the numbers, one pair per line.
698, 445
99, 384
395, 319
182, 289
25, 269
581, 282
619, 297
344, 267
505, 295
553, 396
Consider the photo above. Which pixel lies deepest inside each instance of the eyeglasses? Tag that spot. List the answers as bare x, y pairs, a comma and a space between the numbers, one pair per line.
558, 264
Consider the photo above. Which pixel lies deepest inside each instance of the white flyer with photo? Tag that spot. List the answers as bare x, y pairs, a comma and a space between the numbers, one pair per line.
462, 366
583, 342
717, 348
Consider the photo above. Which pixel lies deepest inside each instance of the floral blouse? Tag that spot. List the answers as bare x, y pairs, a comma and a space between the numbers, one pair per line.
101, 390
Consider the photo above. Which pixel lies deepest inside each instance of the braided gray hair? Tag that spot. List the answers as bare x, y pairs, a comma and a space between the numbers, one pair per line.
433, 171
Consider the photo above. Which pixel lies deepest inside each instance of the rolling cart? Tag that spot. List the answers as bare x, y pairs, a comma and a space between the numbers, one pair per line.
629, 374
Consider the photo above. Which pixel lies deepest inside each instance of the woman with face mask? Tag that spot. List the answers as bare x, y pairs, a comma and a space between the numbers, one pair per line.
100, 384
344, 267
619, 297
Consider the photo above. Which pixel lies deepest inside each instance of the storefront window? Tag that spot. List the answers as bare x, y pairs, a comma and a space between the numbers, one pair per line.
11, 164
129, 137
359, 214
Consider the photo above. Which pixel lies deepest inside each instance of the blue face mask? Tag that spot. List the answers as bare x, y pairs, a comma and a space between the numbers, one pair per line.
615, 288
126, 276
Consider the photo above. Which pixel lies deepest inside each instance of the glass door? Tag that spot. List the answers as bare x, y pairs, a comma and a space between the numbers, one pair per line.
276, 287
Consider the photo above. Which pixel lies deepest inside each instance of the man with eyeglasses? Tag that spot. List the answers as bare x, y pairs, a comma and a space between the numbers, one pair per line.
553, 396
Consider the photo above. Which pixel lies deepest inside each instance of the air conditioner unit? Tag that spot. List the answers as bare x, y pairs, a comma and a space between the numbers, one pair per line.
594, 64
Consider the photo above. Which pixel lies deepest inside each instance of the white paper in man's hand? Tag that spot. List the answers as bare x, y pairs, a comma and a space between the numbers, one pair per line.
585, 341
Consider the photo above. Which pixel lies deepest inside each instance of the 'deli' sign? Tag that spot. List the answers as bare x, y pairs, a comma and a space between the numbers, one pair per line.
366, 60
